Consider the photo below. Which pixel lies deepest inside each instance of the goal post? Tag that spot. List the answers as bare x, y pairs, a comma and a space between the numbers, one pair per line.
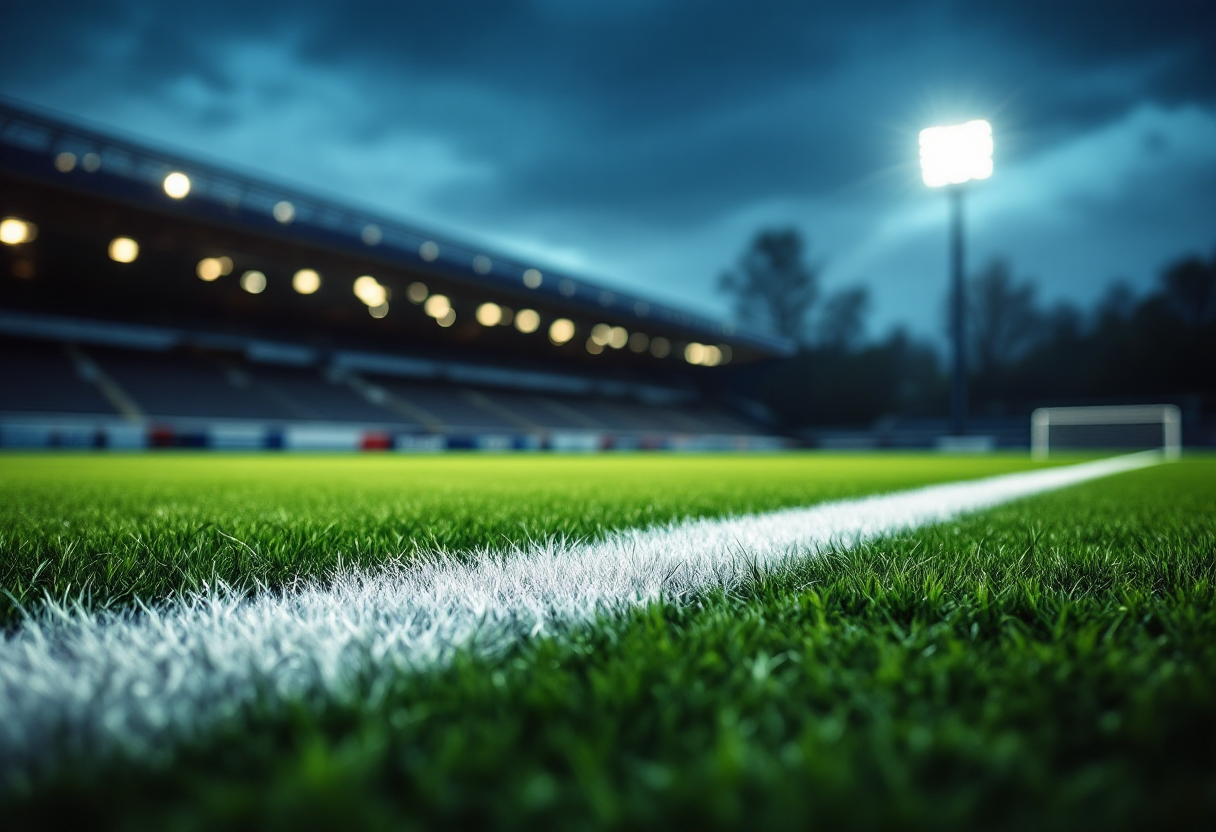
1114, 426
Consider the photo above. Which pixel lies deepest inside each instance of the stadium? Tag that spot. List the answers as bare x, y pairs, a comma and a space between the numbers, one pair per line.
236, 314
312, 517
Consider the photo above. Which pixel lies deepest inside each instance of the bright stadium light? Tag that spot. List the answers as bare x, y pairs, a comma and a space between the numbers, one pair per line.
489, 314
177, 185
956, 154
65, 162
618, 337
594, 347
561, 331
123, 250
369, 290
527, 321
253, 282
378, 311
600, 333
950, 157
209, 269
437, 306
306, 281
15, 231
284, 212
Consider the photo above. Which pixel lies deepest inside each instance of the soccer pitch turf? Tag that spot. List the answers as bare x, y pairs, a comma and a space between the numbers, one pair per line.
1050, 662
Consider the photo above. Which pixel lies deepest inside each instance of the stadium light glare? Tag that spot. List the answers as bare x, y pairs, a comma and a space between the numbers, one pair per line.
561, 331
660, 347
594, 347
527, 321
489, 314
600, 333
429, 251
177, 185
448, 319
956, 154
284, 212
253, 282
65, 162
618, 337
694, 353
306, 281
952, 156
372, 235
379, 310
416, 292
123, 250
209, 269
482, 264
369, 290
639, 342
14, 231
533, 278
437, 306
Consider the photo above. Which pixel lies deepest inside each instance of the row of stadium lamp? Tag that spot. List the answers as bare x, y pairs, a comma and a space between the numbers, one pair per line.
375, 296
177, 185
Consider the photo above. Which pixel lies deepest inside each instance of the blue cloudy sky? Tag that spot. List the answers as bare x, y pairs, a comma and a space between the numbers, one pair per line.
643, 143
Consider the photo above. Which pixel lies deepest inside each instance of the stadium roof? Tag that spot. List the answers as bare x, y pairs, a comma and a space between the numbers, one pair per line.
219, 194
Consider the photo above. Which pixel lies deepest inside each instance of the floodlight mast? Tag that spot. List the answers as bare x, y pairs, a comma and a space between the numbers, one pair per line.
950, 157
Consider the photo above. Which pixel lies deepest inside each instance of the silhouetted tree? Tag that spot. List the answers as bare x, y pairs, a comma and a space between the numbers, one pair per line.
842, 318
774, 286
1003, 317
1190, 288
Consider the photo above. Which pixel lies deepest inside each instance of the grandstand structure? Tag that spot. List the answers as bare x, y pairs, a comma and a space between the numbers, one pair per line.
154, 300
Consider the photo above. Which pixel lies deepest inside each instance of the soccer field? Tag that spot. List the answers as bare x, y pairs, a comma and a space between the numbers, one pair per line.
1041, 657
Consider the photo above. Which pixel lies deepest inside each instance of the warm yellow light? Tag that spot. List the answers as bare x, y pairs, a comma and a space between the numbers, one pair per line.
660, 347
561, 331
253, 282
712, 356
437, 306
306, 281
448, 319
527, 321
209, 269
694, 353
369, 290
593, 347
65, 162
177, 185
123, 250
482, 264
617, 337
489, 314
639, 341
428, 251
416, 292
533, 278
600, 333
956, 154
14, 231
284, 212
378, 311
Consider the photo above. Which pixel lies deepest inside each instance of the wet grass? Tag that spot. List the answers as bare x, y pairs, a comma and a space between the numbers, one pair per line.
1050, 664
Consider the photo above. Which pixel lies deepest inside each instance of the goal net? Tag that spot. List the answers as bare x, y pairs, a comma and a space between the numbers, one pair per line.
1142, 426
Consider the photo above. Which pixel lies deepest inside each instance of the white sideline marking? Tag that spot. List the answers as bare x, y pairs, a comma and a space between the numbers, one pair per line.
73, 682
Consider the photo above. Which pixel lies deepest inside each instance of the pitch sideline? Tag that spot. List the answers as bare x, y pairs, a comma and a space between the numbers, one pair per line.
75, 683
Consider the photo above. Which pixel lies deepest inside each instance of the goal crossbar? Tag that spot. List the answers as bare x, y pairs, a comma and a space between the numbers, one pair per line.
1166, 415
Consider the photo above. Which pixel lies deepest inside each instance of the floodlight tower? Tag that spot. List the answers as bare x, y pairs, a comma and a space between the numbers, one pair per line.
950, 157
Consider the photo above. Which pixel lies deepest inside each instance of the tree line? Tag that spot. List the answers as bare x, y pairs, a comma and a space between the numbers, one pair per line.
1021, 353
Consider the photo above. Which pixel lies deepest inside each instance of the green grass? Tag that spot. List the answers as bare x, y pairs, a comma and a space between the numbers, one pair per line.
118, 528
1050, 664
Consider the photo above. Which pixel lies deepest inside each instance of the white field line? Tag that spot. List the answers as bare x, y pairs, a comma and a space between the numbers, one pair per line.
92, 684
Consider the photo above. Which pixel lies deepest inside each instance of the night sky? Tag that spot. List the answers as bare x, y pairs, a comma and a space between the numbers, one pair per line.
644, 143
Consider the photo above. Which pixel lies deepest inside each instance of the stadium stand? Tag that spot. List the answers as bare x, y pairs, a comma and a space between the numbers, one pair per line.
130, 318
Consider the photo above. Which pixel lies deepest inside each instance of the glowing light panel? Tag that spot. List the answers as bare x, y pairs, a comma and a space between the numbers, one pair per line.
123, 250
956, 154
306, 281
177, 185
